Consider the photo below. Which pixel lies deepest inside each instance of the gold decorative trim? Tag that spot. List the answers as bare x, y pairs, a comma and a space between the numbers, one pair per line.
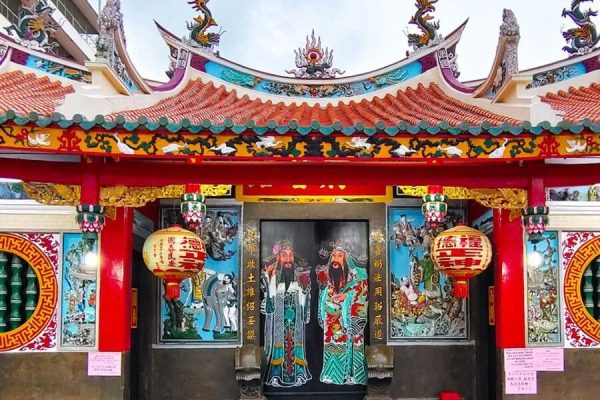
312, 199
502, 198
114, 196
53, 195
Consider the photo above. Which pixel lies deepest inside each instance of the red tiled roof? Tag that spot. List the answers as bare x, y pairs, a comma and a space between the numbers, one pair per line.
26, 93
577, 104
203, 101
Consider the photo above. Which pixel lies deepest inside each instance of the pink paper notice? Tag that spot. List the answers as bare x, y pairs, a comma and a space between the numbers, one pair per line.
520, 382
104, 364
549, 359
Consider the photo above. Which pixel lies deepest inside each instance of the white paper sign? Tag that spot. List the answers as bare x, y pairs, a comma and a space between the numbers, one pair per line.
549, 359
104, 364
520, 382
518, 360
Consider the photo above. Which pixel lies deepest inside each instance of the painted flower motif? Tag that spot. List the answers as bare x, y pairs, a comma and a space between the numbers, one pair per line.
276, 249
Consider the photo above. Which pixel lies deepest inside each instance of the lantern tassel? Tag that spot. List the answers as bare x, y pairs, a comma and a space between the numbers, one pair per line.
172, 291
461, 289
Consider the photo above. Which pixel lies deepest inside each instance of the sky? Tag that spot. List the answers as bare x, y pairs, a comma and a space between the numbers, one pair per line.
365, 35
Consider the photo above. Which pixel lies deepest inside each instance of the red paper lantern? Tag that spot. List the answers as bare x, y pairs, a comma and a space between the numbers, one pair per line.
461, 253
174, 254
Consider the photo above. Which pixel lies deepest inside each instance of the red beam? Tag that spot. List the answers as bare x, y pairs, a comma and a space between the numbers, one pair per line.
509, 281
537, 191
134, 173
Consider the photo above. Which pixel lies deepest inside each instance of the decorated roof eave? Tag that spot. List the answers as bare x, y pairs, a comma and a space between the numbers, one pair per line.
17, 55
561, 63
451, 40
250, 127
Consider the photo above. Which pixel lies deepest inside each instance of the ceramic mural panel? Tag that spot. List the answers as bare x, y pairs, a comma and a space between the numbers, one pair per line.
38, 330
12, 191
574, 193
578, 250
80, 260
543, 302
422, 304
207, 310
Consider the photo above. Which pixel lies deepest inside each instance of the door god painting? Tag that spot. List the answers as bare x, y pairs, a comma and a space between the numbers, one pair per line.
342, 312
314, 284
286, 305
423, 305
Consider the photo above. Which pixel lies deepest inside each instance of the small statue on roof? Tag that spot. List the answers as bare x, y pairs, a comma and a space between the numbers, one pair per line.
198, 35
110, 19
423, 20
584, 37
313, 62
35, 26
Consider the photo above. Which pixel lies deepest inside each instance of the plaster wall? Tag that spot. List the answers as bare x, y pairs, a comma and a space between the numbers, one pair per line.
580, 379
56, 376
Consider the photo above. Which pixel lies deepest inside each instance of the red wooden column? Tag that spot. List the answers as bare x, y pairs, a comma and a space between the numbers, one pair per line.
115, 282
509, 280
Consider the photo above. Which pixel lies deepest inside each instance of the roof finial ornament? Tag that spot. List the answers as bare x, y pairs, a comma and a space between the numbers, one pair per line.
584, 37
313, 62
198, 36
35, 26
511, 31
422, 19
109, 20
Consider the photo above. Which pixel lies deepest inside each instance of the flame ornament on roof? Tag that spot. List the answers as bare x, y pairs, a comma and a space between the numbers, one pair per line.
423, 20
198, 35
313, 62
584, 37
35, 26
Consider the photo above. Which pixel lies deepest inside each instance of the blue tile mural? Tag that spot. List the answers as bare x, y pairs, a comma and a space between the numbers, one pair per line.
80, 260
422, 304
543, 302
207, 309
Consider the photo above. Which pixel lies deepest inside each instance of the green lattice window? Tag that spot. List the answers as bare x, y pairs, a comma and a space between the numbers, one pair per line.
590, 288
19, 292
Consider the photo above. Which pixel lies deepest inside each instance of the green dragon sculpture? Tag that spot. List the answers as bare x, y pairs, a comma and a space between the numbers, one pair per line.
423, 20
584, 37
201, 23
34, 28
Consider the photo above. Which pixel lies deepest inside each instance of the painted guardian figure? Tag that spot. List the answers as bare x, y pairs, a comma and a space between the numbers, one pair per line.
343, 304
286, 305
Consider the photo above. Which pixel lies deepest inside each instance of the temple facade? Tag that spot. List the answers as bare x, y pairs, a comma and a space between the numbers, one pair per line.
237, 234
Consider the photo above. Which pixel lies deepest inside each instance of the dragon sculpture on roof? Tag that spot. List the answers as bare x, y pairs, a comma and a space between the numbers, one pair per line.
198, 35
313, 62
584, 37
35, 26
423, 20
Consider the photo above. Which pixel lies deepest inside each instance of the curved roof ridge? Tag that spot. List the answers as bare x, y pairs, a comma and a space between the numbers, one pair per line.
173, 41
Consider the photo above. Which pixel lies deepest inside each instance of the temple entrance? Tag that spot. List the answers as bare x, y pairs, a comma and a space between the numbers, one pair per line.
314, 308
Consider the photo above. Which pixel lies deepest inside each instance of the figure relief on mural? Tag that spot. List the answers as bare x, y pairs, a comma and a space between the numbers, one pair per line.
79, 287
207, 309
286, 285
543, 303
343, 297
423, 304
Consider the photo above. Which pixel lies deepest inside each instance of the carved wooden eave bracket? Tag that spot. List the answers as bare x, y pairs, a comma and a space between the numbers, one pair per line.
502, 198
115, 196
